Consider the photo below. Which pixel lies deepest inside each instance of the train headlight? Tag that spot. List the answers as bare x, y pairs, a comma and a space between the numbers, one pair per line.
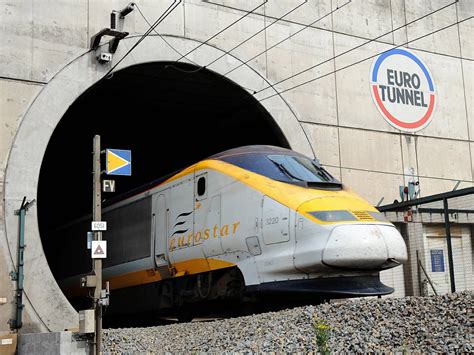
333, 216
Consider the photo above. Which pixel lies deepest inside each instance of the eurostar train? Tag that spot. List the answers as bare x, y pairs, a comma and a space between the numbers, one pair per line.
252, 224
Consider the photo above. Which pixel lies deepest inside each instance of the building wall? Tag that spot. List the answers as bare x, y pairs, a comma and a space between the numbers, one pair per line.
348, 134
425, 234
337, 112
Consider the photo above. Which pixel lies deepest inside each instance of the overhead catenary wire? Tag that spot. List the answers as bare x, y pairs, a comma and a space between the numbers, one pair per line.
271, 85
185, 55
290, 22
230, 25
172, 48
287, 38
224, 29
255, 34
245, 41
365, 59
161, 36
356, 47
160, 19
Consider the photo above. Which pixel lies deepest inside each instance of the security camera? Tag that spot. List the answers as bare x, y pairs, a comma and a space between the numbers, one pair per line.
104, 57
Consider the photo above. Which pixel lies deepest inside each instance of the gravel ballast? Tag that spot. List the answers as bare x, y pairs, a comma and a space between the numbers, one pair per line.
422, 324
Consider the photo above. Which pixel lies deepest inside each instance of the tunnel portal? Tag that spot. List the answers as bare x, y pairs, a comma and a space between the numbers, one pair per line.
169, 114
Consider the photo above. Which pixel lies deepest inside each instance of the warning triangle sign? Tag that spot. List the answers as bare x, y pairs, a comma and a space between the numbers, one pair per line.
98, 251
115, 162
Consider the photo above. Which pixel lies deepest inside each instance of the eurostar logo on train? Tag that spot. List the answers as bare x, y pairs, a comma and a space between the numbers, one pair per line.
181, 238
403, 90
216, 231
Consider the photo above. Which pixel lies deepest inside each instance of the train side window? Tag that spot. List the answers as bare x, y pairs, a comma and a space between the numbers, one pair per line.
201, 187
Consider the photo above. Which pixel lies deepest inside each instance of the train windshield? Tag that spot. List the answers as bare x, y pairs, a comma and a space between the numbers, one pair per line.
302, 169
295, 169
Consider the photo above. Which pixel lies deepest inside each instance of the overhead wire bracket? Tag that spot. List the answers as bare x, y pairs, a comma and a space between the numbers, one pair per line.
113, 44
115, 30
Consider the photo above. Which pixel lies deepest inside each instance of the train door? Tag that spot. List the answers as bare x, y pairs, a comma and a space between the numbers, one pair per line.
278, 251
160, 230
181, 220
207, 215
275, 222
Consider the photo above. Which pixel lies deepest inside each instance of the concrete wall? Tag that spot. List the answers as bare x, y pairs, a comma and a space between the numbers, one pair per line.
61, 343
44, 61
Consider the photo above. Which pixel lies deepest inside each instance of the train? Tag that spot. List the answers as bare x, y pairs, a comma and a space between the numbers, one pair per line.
254, 225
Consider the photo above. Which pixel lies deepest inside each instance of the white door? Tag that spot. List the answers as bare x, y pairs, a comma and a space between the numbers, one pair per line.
181, 220
212, 221
205, 211
160, 218
275, 222
437, 264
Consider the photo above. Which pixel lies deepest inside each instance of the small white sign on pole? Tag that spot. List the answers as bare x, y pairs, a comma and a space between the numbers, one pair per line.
99, 249
99, 226
108, 185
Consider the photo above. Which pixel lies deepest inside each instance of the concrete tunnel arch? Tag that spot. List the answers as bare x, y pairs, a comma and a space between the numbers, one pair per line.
46, 308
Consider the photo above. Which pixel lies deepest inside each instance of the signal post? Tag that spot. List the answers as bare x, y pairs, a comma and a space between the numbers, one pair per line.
118, 162
97, 262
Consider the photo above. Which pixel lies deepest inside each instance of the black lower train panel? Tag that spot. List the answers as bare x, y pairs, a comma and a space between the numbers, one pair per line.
143, 304
356, 286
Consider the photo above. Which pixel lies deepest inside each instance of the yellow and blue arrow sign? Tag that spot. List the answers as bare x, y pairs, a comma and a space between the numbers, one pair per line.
118, 162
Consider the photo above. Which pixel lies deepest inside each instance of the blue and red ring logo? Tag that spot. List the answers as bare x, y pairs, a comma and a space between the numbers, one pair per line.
400, 95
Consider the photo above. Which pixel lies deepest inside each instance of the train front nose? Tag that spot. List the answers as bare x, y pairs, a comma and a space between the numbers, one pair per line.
363, 246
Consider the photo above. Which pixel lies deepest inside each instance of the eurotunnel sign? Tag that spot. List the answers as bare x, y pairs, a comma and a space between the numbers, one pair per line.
118, 162
403, 90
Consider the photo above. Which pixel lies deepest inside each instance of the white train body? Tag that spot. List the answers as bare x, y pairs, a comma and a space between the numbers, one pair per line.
283, 237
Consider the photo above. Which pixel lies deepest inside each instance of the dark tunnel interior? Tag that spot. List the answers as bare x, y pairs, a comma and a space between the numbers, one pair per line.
170, 115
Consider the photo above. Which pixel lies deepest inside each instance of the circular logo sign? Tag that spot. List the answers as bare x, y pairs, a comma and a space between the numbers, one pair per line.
403, 90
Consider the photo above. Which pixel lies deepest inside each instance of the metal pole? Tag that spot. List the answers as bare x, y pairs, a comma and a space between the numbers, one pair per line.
21, 249
450, 247
418, 263
19, 276
17, 323
97, 263
427, 277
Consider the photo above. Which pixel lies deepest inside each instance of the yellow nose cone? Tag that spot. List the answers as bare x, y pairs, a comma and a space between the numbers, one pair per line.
342, 201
